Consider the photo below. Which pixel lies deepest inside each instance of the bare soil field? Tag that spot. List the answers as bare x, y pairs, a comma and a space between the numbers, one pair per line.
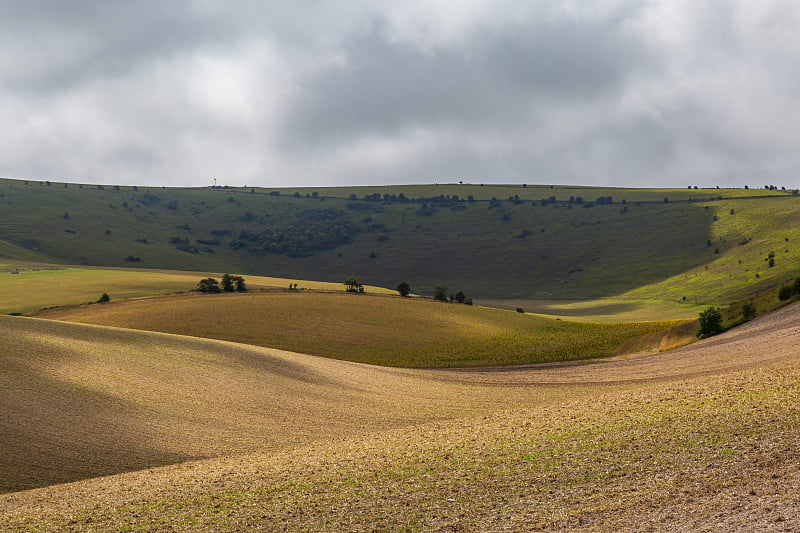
703, 438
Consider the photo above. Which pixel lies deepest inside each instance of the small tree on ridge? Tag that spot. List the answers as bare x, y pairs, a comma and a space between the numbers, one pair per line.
404, 288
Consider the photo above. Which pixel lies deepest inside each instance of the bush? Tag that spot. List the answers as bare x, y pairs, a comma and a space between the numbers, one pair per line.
785, 292
104, 298
709, 323
208, 285
748, 311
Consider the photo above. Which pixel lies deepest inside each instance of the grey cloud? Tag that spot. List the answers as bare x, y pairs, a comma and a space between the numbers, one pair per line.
615, 92
491, 78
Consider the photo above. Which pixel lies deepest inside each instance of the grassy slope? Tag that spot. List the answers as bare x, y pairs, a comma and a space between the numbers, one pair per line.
745, 233
709, 443
370, 329
514, 251
39, 285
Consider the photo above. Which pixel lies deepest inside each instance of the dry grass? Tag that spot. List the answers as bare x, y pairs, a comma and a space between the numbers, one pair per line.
389, 331
703, 438
40, 285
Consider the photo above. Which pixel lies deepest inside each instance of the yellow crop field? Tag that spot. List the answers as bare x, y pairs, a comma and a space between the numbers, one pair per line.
382, 330
700, 438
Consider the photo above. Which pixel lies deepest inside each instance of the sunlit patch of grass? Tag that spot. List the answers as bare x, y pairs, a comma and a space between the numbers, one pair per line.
743, 233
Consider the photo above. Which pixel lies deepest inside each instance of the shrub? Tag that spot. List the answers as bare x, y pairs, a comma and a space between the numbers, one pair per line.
208, 285
709, 323
785, 292
104, 298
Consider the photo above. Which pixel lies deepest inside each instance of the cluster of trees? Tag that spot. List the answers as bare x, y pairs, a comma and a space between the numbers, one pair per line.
229, 284
312, 230
440, 294
377, 197
353, 285
183, 244
710, 321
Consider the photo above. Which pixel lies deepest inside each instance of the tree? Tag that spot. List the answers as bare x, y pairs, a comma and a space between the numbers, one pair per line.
353, 285
208, 285
440, 293
240, 285
709, 323
104, 298
227, 283
748, 311
785, 292
461, 297
404, 289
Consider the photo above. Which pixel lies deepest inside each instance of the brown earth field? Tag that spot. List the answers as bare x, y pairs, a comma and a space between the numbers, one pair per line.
702, 438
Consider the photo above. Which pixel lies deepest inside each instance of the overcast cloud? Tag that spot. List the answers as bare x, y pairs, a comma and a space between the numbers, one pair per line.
608, 92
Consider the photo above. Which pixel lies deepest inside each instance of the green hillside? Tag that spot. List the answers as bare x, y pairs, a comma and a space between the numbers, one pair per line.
509, 241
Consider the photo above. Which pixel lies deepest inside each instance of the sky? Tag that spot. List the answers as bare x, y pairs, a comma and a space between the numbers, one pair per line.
323, 93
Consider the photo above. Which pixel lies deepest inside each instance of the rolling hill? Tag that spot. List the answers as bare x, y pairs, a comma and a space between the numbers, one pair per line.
492, 242
698, 438
207, 417
380, 330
